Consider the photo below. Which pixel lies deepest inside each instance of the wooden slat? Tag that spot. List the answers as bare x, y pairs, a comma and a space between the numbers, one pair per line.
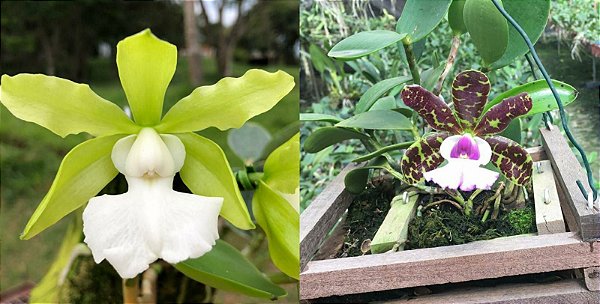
537, 153
592, 278
394, 229
473, 261
568, 171
548, 213
322, 214
566, 292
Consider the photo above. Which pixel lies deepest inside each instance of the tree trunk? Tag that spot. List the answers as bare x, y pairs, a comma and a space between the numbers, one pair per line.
193, 53
224, 57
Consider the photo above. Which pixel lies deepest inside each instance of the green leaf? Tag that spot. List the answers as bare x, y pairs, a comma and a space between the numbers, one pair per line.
377, 91
327, 136
532, 17
225, 268
384, 103
513, 131
249, 141
281, 222
430, 77
487, 27
319, 60
420, 17
377, 120
356, 180
319, 117
48, 289
540, 94
455, 17
385, 149
227, 104
62, 106
206, 172
364, 43
84, 171
282, 167
146, 66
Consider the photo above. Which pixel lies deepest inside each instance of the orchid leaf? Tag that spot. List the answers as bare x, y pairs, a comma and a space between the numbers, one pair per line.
319, 117
327, 136
84, 171
227, 104
206, 172
225, 268
430, 77
513, 131
455, 17
62, 106
434, 110
384, 103
319, 60
146, 66
541, 96
513, 161
281, 222
499, 116
356, 180
380, 151
282, 167
378, 120
249, 141
487, 27
420, 17
364, 43
377, 91
470, 91
532, 18
422, 156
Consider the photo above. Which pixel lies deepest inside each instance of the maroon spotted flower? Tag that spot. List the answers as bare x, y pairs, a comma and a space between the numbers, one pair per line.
465, 137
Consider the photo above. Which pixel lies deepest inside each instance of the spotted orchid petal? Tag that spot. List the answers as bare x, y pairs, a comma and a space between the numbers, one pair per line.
470, 90
513, 160
151, 220
422, 156
496, 119
434, 110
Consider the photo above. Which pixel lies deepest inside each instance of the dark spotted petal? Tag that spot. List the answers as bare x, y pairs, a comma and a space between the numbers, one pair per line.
422, 156
499, 116
512, 160
434, 110
470, 90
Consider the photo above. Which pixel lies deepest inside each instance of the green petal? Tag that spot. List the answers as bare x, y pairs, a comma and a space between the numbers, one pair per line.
424, 155
146, 66
281, 223
84, 171
513, 160
227, 104
206, 172
225, 268
282, 168
62, 106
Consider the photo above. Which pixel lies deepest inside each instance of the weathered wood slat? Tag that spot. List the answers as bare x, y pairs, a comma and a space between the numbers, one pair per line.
592, 278
568, 171
566, 292
474, 261
322, 214
537, 153
394, 229
548, 213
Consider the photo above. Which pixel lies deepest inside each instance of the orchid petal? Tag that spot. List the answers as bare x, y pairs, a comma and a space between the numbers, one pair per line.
422, 156
434, 110
62, 106
470, 90
148, 222
206, 171
282, 167
496, 119
227, 104
463, 174
84, 171
485, 151
146, 66
513, 161
149, 155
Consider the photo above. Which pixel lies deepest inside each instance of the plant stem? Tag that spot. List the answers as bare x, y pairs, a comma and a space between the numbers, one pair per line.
412, 62
449, 64
485, 215
456, 196
469, 204
131, 290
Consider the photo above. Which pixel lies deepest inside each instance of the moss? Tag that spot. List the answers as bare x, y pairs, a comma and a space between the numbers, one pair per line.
522, 220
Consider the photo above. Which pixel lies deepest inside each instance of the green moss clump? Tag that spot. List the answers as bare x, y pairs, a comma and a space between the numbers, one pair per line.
522, 220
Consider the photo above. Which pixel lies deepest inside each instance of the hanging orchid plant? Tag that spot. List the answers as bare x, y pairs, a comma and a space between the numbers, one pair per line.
466, 137
151, 220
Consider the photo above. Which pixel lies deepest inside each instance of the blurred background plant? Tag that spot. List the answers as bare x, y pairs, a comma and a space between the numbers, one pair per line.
77, 41
334, 87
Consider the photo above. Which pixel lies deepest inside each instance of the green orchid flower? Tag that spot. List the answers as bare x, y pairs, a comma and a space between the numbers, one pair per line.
150, 220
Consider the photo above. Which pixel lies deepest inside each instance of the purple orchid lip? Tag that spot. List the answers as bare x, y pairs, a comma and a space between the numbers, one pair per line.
465, 148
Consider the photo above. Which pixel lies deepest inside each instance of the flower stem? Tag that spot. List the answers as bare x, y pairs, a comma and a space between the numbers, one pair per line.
412, 62
131, 290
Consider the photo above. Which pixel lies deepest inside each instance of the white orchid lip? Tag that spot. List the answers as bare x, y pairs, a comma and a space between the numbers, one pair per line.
465, 154
151, 220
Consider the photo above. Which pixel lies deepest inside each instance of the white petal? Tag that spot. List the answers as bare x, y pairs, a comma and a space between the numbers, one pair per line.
149, 155
485, 151
176, 148
478, 178
148, 222
448, 176
121, 150
448, 144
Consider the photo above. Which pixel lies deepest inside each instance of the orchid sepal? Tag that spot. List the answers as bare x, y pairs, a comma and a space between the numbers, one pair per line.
470, 91
424, 155
511, 159
497, 118
433, 109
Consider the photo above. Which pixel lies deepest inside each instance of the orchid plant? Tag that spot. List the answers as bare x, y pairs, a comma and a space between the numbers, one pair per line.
151, 220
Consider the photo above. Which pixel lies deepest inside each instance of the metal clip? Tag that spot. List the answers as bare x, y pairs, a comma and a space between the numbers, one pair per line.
405, 197
547, 196
538, 168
